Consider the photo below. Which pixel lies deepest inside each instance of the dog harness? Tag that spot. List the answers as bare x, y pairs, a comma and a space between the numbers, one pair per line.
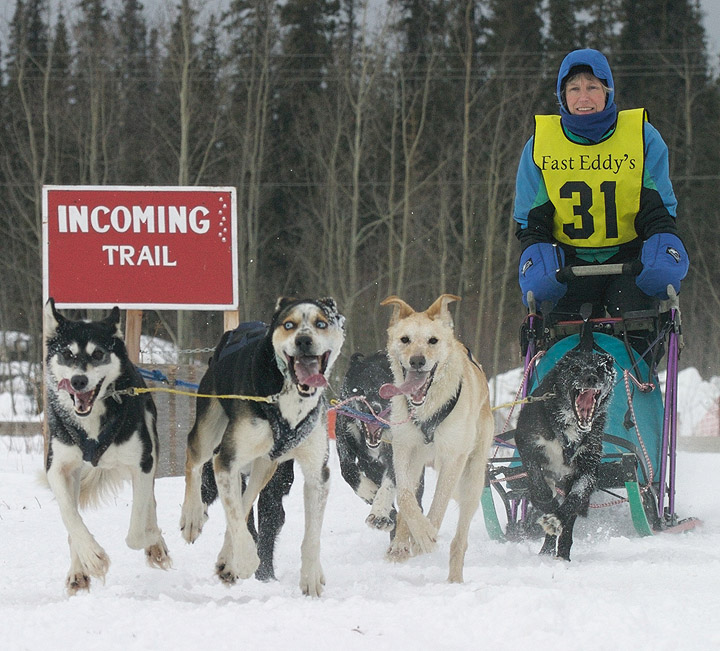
595, 188
285, 437
429, 426
246, 333
92, 449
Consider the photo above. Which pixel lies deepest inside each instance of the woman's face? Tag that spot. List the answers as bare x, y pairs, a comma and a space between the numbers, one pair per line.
584, 94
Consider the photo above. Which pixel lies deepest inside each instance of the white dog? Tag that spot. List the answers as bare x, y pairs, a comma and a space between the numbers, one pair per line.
442, 418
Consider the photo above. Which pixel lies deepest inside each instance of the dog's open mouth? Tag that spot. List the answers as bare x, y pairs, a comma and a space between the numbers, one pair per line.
308, 372
584, 403
83, 401
416, 387
373, 429
373, 434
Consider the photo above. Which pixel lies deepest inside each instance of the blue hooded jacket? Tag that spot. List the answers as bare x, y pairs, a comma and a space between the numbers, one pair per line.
594, 126
533, 210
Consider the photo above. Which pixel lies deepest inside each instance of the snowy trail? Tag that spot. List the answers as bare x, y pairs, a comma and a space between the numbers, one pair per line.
619, 592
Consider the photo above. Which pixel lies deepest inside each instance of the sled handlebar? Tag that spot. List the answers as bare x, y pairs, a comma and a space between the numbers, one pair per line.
633, 268
620, 269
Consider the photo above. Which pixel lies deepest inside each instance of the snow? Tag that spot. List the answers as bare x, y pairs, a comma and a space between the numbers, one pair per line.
620, 591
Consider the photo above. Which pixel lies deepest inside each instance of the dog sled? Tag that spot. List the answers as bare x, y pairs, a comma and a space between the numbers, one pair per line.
638, 467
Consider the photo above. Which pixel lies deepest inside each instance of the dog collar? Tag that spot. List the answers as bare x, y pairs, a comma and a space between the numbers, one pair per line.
429, 426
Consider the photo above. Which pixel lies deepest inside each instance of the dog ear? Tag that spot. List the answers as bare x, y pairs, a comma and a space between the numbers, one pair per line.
282, 302
51, 319
112, 321
329, 303
400, 309
608, 362
439, 309
330, 308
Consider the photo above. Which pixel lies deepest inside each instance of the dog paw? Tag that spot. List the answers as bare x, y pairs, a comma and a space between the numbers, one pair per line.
551, 524
422, 546
88, 560
192, 521
77, 581
265, 572
229, 572
423, 539
381, 521
398, 552
225, 574
157, 555
312, 580
92, 560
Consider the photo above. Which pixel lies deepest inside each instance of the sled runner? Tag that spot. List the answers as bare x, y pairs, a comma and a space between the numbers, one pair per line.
640, 434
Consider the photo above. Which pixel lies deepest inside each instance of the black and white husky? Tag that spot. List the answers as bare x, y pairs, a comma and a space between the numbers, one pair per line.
98, 438
289, 365
560, 440
365, 457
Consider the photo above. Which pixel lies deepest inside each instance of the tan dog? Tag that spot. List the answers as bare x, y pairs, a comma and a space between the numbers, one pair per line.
442, 418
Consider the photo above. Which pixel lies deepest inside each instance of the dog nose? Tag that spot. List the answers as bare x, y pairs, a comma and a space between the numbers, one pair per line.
304, 343
79, 383
417, 362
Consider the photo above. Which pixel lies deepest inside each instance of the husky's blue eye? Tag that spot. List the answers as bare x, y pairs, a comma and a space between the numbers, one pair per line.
288, 325
320, 324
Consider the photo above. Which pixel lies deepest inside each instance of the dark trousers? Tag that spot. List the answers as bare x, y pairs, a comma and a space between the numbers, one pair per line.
616, 294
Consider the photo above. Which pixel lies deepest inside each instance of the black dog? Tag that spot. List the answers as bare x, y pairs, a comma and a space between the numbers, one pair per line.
365, 457
560, 440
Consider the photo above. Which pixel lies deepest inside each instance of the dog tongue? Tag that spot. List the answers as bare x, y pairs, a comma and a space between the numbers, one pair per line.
387, 391
585, 403
316, 380
307, 372
413, 382
83, 401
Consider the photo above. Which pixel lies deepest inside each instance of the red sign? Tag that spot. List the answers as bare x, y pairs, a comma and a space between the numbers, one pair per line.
140, 247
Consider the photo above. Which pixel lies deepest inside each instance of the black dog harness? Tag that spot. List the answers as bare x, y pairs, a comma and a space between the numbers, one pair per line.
285, 437
429, 426
92, 449
246, 333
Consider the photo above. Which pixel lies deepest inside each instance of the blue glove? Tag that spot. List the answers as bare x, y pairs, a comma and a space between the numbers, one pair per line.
665, 262
538, 264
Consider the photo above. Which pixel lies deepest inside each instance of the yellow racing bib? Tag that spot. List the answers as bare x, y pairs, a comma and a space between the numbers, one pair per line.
595, 188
